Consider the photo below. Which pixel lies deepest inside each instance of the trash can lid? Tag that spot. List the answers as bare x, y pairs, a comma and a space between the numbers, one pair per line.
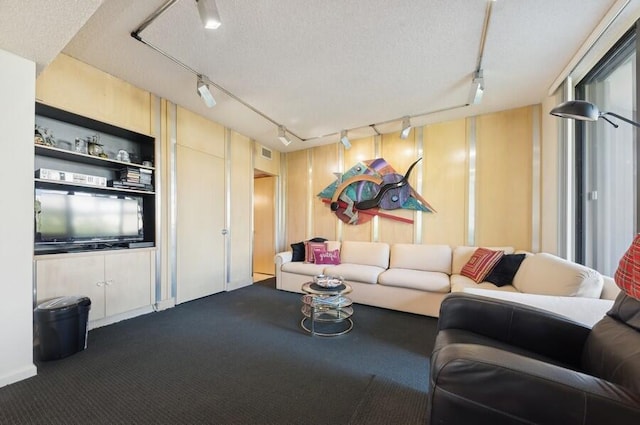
64, 302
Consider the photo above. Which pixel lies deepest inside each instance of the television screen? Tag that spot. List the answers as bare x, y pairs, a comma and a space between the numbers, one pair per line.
62, 217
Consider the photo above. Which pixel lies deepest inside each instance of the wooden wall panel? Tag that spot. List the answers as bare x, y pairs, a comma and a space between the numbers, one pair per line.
296, 197
263, 224
444, 183
74, 86
199, 133
400, 154
504, 178
324, 161
361, 150
240, 231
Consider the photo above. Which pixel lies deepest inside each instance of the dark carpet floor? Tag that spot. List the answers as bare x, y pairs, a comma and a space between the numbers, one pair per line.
234, 358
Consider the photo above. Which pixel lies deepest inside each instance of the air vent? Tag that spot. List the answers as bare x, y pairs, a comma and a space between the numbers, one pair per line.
265, 153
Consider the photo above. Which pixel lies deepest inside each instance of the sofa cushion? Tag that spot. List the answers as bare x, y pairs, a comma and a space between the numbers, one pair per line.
612, 352
481, 263
355, 272
462, 254
546, 274
459, 283
432, 258
365, 253
416, 279
503, 273
308, 269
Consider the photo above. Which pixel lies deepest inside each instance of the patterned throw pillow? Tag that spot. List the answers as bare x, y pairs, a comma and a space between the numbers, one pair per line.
627, 276
327, 257
308, 250
481, 263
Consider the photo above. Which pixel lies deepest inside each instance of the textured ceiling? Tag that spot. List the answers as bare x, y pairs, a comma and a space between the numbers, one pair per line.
319, 66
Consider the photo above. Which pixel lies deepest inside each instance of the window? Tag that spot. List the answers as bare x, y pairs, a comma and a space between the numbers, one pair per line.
606, 165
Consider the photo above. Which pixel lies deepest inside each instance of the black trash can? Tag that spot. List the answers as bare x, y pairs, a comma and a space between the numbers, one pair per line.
61, 327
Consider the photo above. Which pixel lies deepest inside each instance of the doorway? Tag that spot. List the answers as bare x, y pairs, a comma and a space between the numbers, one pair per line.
264, 191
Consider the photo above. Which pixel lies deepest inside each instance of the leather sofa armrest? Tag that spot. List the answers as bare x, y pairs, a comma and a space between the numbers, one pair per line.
530, 328
479, 384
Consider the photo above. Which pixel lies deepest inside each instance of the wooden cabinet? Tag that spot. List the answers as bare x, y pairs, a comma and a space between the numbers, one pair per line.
117, 282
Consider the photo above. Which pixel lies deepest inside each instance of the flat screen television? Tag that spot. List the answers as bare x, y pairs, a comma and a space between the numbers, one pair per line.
83, 218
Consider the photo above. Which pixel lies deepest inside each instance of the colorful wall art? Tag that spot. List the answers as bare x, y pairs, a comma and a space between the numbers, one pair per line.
359, 194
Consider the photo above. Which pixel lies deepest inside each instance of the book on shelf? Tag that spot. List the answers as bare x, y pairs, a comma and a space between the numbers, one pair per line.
130, 185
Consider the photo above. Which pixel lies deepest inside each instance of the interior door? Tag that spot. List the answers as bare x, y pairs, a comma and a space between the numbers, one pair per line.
264, 218
200, 222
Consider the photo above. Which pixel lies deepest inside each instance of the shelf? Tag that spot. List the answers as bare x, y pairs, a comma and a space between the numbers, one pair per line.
85, 158
60, 185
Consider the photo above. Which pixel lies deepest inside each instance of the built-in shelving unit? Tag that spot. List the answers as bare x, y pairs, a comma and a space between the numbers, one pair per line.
120, 165
81, 190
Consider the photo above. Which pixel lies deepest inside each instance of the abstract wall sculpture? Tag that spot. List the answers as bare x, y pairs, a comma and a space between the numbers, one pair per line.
369, 186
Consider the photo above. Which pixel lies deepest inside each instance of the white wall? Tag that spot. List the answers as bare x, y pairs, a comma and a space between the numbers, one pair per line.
17, 85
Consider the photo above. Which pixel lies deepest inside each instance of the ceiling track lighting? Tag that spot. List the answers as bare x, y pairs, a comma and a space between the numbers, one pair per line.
209, 15
344, 139
477, 88
205, 93
406, 127
203, 82
282, 135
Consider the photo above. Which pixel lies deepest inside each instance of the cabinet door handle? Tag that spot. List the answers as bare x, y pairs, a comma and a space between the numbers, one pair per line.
109, 282
99, 283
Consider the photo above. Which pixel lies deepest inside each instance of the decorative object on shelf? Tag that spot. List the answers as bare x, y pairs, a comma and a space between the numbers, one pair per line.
147, 163
81, 145
43, 137
358, 194
96, 148
123, 156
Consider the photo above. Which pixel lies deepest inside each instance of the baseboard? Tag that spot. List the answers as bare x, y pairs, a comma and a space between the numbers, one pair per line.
165, 304
15, 376
120, 317
232, 286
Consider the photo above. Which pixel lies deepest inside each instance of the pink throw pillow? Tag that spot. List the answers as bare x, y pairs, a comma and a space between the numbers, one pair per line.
308, 250
327, 257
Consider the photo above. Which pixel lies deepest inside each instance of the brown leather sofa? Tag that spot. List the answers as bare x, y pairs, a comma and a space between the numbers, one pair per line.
497, 362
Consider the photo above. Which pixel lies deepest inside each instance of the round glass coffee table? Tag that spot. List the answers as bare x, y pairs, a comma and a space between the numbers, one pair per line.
326, 311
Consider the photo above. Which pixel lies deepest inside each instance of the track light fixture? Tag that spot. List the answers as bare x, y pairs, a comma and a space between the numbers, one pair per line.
344, 139
477, 88
209, 15
282, 135
406, 128
205, 93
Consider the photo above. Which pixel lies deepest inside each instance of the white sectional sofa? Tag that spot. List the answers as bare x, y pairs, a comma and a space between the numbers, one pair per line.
415, 278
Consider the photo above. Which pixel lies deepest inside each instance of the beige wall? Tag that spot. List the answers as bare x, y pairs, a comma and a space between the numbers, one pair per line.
497, 212
17, 78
